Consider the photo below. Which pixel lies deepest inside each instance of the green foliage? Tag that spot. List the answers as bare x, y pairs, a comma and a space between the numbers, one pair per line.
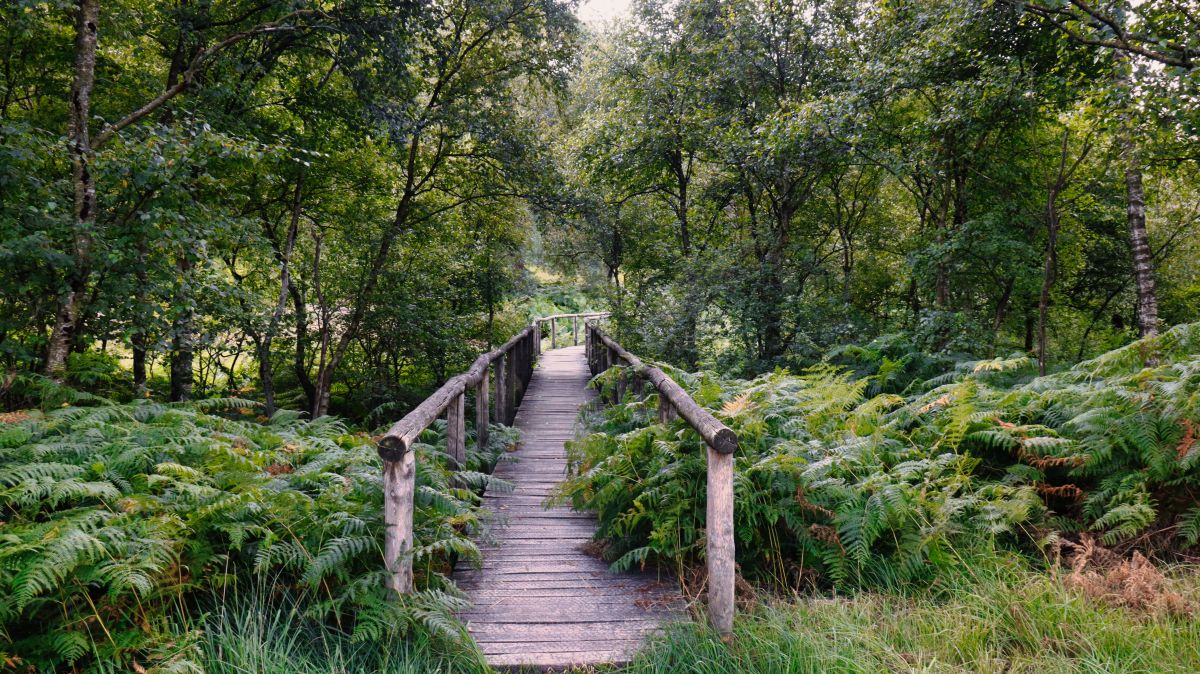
115, 514
877, 490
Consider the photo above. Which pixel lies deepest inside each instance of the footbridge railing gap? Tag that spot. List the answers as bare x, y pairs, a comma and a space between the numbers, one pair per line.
499, 379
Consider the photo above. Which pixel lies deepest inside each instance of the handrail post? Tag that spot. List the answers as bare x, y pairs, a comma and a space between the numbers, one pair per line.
399, 483
510, 386
589, 349
501, 412
553, 333
720, 542
456, 431
575, 328
481, 411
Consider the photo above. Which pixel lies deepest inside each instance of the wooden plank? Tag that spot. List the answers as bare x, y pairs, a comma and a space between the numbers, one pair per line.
540, 600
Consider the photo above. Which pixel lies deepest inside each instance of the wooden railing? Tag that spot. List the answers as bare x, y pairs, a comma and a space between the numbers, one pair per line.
575, 319
603, 353
510, 366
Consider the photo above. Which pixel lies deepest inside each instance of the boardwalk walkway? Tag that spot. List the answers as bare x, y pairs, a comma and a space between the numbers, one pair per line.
540, 601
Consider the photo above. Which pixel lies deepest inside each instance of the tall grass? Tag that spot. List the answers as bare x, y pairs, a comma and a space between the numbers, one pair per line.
997, 616
260, 632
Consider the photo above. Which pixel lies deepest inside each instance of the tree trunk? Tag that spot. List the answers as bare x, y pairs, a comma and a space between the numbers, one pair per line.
299, 364
139, 364
1029, 325
1049, 273
266, 372
182, 335
1143, 263
84, 183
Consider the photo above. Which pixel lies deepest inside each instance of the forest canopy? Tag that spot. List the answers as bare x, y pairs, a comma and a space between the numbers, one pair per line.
313, 197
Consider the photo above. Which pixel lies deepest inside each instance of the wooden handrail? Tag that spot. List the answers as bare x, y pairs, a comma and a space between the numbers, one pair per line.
512, 364
553, 320
603, 353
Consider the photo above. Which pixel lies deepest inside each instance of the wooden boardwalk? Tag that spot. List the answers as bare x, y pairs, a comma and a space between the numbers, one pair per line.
540, 601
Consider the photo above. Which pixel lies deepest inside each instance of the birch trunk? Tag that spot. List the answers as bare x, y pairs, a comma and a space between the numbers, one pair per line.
79, 147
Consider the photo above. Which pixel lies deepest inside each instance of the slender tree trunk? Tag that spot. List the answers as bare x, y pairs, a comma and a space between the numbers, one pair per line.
299, 360
79, 147
1049, 274
266, 372
1146, 313
1002, 305
1050, 269
941, 287
183, 335
1029, 330
1143, 262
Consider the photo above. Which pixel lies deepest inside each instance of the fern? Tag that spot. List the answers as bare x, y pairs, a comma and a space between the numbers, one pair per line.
115, 514
869, 486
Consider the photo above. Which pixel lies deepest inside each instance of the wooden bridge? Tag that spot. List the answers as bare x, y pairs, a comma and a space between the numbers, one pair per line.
540, 600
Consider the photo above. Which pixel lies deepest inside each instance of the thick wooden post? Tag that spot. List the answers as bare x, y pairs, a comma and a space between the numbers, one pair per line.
587, 350
456, 431
481, 412
522, 370
575, 328
510, 386
719, 534
553, 333
501, 412
619, 389
531, 360
399, 483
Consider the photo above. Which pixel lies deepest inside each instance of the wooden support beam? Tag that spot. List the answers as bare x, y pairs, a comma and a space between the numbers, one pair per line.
720, 542
481, 412
399, 485
501, 390
575, 328
456, 431
553, 333
510, 388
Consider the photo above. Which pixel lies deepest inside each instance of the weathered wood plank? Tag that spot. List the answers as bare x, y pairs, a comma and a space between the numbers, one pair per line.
539, 599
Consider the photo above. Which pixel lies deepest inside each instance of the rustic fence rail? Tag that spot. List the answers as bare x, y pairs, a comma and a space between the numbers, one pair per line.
510, 367
604, 353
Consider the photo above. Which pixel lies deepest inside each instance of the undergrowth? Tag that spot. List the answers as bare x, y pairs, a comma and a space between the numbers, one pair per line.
842, 481
990, 614
115, 517
267, 632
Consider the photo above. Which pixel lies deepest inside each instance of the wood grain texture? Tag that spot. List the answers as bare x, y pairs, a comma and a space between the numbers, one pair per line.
540, 601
